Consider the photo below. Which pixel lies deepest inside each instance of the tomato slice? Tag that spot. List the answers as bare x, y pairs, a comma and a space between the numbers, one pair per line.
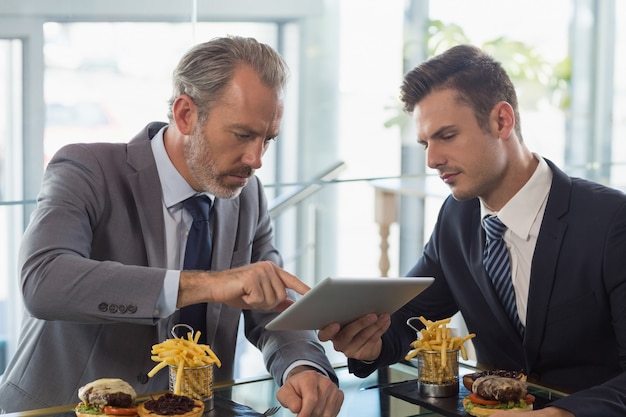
476, 399
120, 411
529, 399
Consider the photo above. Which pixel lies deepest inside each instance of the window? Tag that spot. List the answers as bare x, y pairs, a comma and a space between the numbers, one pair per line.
104, 81
10, 188
618, 114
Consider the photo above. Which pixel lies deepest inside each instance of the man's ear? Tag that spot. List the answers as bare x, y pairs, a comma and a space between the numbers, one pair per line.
504, 118
185, 114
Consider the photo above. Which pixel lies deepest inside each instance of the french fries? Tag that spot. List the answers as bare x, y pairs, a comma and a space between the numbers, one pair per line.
437, 336
435, 341
182, 353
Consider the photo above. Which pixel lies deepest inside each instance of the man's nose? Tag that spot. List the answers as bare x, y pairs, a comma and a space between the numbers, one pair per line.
254, 154
434, 157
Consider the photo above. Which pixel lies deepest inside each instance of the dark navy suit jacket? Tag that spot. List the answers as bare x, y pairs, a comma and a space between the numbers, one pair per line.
576, 319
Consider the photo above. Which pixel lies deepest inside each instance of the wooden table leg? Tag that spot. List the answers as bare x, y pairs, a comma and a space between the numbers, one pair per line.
386, 213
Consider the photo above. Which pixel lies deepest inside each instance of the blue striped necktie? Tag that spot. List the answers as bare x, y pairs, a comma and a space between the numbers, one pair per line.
498, 266
197, 257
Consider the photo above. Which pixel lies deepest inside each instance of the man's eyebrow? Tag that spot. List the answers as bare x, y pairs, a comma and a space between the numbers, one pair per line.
441, 131
251, 131
240, 126
242, 129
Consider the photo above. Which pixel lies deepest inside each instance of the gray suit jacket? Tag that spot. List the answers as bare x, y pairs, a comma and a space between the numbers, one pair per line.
93, 264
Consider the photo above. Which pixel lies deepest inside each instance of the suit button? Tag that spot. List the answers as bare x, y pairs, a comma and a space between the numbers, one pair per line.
142, 378
132, 309
112, 308
121, 308
104, 307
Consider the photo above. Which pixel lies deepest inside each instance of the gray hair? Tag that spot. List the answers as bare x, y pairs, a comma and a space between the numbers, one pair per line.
204, 72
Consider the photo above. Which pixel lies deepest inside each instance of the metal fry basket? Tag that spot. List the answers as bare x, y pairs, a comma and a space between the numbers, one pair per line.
438, 372
193, 382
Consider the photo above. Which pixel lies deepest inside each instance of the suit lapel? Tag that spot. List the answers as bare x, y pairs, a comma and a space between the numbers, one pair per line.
543, 269
146, 188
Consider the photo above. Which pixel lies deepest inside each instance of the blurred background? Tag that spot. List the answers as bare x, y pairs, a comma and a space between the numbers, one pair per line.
348, 187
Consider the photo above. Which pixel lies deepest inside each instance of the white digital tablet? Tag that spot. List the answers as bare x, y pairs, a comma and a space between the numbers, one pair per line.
342, 300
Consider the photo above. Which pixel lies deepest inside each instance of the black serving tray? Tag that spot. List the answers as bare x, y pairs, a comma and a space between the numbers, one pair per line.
451, 406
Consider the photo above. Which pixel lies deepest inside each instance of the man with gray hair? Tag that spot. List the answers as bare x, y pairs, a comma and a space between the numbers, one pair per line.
103, 261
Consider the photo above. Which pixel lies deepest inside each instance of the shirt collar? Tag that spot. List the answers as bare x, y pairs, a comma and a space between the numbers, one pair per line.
175, 188
520, 212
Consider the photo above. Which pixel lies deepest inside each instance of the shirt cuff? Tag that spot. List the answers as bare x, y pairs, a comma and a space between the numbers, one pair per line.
303, 363
166, 303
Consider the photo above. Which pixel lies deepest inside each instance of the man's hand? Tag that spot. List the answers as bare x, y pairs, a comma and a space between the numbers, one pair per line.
258, 286
546, 412
360, 339
307, 393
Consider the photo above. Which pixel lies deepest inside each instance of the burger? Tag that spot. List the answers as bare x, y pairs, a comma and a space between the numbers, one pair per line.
106, 397
493, 393
171, 405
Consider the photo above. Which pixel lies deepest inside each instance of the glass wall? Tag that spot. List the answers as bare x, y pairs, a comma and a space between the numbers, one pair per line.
618, 103
11, 192
104, 81
10, 151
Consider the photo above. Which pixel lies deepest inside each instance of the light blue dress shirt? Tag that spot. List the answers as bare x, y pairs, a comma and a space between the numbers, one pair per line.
175, 190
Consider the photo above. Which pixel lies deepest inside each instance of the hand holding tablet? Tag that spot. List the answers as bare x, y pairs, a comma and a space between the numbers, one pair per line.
343, 300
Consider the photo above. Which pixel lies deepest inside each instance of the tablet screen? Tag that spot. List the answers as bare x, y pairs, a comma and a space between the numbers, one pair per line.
343, 300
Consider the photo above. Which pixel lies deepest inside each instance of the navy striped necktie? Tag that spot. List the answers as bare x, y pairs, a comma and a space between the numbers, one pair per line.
498, 265
197, 257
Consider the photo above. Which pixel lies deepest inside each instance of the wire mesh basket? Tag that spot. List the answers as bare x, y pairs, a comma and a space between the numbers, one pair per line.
438, 372
192, 382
